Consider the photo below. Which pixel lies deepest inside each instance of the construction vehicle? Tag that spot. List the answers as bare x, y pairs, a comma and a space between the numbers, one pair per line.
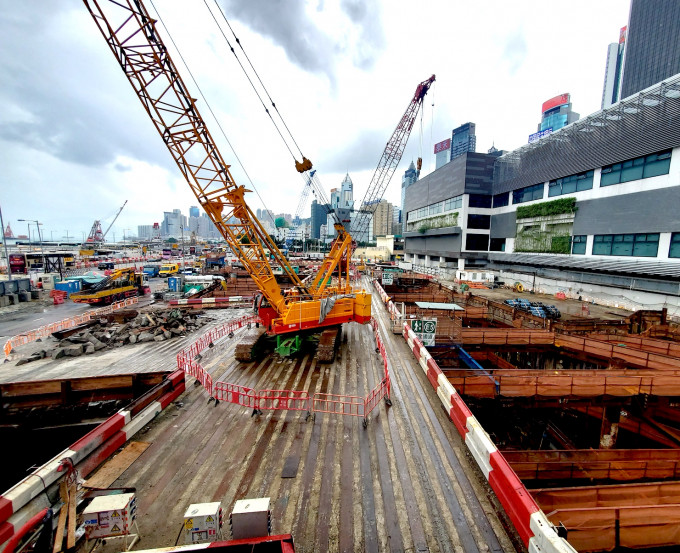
96, 235
326, 303
119, 285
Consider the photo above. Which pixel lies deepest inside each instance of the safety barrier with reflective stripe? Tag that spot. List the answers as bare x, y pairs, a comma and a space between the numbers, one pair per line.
65, 324
212, 301
533, 527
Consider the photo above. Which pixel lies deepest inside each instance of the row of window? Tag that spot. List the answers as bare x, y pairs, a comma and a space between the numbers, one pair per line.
633, 169
636, 169
437, 208
632, 245
572, 183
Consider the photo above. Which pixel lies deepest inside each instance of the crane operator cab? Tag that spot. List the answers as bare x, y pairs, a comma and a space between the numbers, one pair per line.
263, 309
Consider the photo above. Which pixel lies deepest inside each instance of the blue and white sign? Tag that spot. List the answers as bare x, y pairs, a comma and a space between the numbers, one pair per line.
538, 135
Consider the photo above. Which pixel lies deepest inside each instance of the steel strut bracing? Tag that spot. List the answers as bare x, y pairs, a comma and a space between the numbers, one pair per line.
131, 35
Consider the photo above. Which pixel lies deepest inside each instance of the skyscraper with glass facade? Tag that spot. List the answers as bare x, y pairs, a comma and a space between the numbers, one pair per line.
557, 113
410, 176
653, 44
463, 140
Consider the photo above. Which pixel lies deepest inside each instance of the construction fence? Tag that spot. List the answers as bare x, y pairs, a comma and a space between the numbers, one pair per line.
45, 330
188, 360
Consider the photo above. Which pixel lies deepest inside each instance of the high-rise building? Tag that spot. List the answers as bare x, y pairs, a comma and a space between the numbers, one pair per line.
145, 232
442, 153
173, 222
318, 219
410, 176
194, 211
613, 70
556, 113
463, 140
652, 46
382, 218
342, 202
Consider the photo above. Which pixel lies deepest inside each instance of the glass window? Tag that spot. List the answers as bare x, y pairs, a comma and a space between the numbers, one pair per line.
478, 200
646, 245
477, 242
657, 164
602, 245
527, 194
578, 245
436, 208
675, 245
501, 200
637, 245
479, 221
638, 168
453, 203
572, 183
498, 245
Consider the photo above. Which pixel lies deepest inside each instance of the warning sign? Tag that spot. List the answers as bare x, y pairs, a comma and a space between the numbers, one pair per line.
189, 523
425, 330
209, 519
116, 528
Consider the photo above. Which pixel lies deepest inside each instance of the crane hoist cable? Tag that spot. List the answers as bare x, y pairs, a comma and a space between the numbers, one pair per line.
305, 164
231, 147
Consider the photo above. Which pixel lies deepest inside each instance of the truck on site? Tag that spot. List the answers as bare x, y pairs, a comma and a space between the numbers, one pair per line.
168, 270
151, 270
118, 286
319, 305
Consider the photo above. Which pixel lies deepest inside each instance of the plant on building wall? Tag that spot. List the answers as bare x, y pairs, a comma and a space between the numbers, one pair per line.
440, 221
550, 239
546, 209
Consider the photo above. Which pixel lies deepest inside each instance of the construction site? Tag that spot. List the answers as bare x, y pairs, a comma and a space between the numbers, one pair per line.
280, 403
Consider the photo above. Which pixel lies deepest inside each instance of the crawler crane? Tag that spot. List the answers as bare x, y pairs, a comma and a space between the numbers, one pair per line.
329, 301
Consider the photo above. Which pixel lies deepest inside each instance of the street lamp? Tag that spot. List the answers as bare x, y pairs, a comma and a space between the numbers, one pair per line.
181, 227
4, 243
37, 225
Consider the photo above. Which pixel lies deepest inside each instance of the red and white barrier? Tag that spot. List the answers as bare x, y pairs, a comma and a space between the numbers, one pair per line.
212, 301
530, 522
25, 499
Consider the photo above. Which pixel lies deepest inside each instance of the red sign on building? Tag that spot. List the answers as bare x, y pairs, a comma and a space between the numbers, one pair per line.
443, 145
556, 101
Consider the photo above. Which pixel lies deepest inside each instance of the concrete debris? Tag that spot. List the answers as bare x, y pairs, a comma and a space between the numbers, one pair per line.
132, 328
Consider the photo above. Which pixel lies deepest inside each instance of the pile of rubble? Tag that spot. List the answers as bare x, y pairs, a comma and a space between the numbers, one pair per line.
121, 328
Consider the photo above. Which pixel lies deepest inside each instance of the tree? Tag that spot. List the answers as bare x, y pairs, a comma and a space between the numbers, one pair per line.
281, 222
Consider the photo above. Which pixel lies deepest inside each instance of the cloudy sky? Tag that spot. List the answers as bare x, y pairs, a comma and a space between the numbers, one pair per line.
75, 142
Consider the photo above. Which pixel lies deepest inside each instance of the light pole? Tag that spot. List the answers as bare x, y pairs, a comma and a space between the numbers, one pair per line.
37, 225
181, 227
4, 243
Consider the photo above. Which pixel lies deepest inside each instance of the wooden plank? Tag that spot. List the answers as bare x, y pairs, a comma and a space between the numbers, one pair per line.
109, 472
61, 523
72, 501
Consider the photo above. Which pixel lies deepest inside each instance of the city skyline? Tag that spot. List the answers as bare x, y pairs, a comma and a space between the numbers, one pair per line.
354, 87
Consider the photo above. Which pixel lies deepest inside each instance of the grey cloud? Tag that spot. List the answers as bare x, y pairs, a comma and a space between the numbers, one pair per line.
61, 100
361, 154
286, 24
515, 50
372, 37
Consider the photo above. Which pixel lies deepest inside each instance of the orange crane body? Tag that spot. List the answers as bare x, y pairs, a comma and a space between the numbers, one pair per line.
135, 42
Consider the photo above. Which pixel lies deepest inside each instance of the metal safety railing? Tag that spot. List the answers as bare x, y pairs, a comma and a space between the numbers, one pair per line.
283, 400
65, 324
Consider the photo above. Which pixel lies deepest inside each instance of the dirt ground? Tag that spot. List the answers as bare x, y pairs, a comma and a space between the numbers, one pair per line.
570, 309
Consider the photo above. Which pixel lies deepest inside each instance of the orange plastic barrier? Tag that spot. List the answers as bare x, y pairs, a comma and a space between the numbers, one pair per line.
46, 330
